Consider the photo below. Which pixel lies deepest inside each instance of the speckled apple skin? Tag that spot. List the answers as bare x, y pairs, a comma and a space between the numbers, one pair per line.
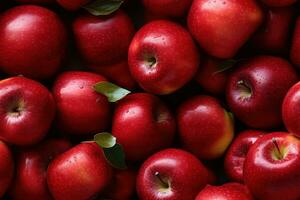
79, 173
228, 191
221, 27
278, 3
80, 109
237, 152
72, 5
150, 126
31, 168
184, 172
103, 40
32, 42
205, 127
295, 48
35, 118
270, 78
6, 168
270, 179
177, 57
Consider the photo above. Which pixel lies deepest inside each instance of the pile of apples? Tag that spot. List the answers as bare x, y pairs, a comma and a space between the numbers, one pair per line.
149, 99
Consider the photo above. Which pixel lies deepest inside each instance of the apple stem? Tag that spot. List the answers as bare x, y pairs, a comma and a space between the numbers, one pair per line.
164, 184
277, 147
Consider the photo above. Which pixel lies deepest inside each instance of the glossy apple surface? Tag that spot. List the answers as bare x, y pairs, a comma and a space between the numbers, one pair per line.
6, 168
295, 48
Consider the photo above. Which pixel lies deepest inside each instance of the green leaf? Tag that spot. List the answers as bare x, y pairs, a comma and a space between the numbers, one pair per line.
103, 7
225, 65
105, 140
111, 91
115, 156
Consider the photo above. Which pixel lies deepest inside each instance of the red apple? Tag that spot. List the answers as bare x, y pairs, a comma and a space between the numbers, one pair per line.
171, 174
103, 40
80, 110
122, 187
31, 168
273, 36
6, 168
79, 173
211, 77
228, 191
32, 42
237, 152
205, 127
143, 125
167, 8
255, 90
271, 169
36, 1
162, 57
119, 73
278, 3
72, 4
214, 24
291, 109
295, 48
27, 109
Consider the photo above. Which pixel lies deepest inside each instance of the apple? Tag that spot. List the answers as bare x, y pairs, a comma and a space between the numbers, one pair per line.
271, 169
290, 110
6, 168
278, 3
171, 174
255, 90
123, 185
80, 173
27, 46
142, 124
80, 110
167, 8
211, 77
31, 169
228, 191
273, 36
103, 40
205, 127
27, 110
295, 48
162, 57
214, 24
36, 1
119, 73
72, 5
237, 152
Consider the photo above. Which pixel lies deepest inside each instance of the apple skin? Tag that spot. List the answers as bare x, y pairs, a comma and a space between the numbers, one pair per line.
123, 185
228, 191
237, 152
291, 109
119, 73
274, 34
167, 8
184, 174
150, 126
26, 29
255, 90
6, 168
278, 3
295, 48
205, 127
209, 77
77, 103
36, 1
213, 24
31, 169
162, 57
79, 173
27, 110
72, 5
269, 177
103, 40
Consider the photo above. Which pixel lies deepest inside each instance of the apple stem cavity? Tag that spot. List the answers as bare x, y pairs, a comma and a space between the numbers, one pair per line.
150, 61
245, 89
279, 153
162, 182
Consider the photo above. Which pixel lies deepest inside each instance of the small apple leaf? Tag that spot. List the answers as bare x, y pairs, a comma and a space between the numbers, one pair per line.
115, 156
103, 7
111, 91
225, 65
105, 140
